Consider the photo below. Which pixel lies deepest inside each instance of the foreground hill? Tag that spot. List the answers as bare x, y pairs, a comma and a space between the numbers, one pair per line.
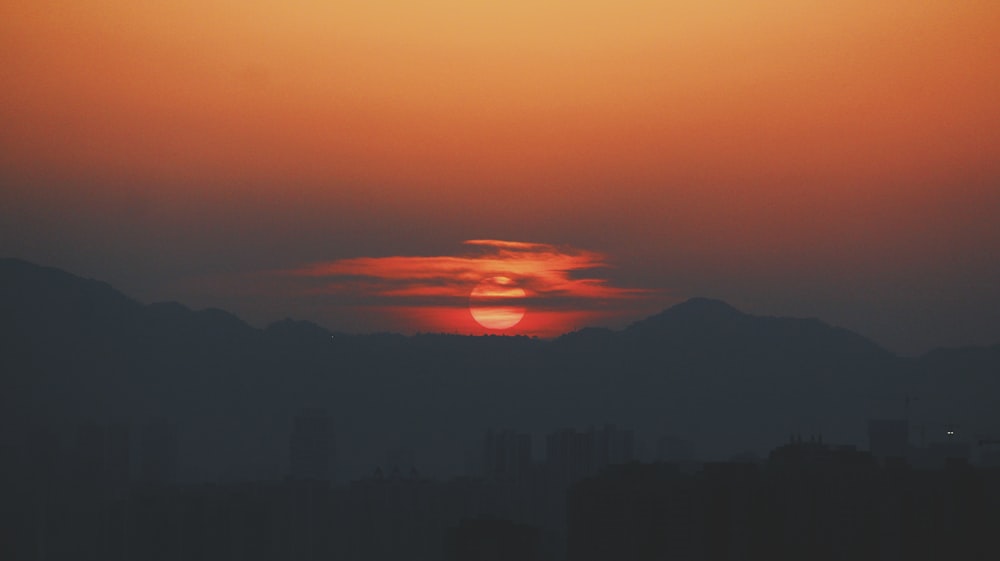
75, 349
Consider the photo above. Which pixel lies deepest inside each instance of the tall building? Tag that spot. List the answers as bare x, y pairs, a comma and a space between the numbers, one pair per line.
311, 446
493, 540
102, 454
888, 438
401, 459
506, 455
989, 457
40, 462
569, 454
572, 455
158, 453
613, 446
675, 449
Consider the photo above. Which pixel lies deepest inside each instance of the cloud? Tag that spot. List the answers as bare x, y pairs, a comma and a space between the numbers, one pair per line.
553, 277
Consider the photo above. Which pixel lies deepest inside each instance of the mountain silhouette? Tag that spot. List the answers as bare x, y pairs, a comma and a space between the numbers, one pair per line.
76, 349
690, 313
712, 326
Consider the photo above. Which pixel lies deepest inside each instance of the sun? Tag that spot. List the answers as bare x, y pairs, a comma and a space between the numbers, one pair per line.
494, 303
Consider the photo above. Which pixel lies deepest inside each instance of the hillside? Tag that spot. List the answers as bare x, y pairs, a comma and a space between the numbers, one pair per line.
76, 349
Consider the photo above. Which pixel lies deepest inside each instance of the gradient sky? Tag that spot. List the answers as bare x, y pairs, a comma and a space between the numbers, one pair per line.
829, 159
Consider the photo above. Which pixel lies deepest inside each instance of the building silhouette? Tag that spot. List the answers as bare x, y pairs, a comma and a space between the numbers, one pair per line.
311, 447
889, 438
102, 455
158, 453
493, 540
809, 500
613, 446
675, 449
569, 455
506, 455
572, 455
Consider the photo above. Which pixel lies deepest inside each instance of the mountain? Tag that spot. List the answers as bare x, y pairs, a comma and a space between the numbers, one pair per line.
75, 349
712, 326
37, 299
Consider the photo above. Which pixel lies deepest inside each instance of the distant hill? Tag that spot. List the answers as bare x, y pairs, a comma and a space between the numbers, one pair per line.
75, 349
709, 326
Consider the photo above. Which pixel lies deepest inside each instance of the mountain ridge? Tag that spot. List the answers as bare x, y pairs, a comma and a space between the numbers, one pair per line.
696, 311
701, 368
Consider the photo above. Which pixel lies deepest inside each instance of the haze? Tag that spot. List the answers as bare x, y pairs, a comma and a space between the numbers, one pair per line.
838, 160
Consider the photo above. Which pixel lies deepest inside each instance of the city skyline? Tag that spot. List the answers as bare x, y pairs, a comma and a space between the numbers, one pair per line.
157, 431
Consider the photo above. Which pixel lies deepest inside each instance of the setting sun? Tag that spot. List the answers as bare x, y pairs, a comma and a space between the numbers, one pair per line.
771, 152
492, 303
525, 288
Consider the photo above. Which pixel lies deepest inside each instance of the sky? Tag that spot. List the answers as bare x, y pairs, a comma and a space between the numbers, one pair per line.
838, 160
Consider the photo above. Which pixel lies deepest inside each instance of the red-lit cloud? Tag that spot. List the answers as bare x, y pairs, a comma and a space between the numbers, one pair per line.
562, 286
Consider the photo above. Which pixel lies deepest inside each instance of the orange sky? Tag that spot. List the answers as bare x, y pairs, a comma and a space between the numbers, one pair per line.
840, 150
438, 94
561, 288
